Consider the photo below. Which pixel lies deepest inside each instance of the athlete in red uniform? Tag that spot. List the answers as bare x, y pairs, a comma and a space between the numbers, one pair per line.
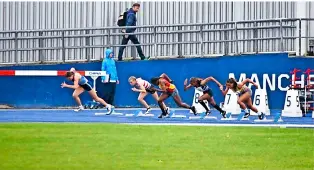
168, 89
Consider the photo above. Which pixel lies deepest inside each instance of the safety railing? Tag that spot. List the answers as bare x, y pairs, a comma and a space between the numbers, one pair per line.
181, 40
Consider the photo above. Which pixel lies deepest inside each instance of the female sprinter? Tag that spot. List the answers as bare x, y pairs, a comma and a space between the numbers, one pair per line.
168, 89
144, 87
244, 93
201, 85
80, 85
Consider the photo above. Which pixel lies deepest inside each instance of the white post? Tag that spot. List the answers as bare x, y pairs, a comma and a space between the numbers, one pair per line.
301, 13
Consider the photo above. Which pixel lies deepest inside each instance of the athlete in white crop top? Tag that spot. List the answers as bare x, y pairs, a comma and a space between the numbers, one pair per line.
144, 87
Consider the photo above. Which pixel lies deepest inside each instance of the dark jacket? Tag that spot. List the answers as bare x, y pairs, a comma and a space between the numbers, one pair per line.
131, 21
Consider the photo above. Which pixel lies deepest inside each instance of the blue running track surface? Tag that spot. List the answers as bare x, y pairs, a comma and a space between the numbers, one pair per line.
68, 115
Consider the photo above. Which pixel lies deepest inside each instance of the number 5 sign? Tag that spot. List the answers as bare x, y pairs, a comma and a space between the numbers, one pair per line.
292, 104
261, 102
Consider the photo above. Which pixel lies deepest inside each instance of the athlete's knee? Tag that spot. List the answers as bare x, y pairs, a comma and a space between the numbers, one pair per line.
160, 101
140, 98
75, 95
239, 101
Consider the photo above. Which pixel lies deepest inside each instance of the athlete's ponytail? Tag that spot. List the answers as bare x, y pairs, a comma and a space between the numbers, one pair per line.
154, 80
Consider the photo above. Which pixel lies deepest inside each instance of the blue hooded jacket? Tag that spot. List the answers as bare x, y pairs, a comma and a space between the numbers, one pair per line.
109, 65
131, 21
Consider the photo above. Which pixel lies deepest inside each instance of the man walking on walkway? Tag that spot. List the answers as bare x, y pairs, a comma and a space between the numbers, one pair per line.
131, 21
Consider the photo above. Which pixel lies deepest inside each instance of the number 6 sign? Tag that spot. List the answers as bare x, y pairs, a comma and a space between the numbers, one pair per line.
261, 102
292, 104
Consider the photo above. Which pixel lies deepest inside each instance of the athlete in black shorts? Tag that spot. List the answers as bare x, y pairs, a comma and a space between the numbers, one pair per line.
201, 85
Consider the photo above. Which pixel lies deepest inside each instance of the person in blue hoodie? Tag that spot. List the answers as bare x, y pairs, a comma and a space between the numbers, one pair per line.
111, 80
131, 21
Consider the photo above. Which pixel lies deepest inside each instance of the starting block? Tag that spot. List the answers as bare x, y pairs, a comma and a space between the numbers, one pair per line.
173, 115
228, 117
203, 116
240, 117
139, 113
276, 119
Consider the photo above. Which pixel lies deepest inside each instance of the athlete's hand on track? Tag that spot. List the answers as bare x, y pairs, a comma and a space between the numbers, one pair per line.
186, 82
63, 84
134, 89
256, 85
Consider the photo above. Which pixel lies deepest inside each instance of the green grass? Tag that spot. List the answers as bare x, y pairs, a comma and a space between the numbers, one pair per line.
110, 147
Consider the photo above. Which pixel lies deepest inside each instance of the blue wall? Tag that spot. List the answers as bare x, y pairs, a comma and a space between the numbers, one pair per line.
46, 92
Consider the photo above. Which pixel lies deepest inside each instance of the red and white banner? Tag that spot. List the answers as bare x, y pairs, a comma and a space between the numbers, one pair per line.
47, 73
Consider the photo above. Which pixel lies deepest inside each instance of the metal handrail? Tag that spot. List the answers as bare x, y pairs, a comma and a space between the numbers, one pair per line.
227, 32
152, 26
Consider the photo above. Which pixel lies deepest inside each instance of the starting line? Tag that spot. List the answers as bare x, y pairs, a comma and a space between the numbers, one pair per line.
203, 116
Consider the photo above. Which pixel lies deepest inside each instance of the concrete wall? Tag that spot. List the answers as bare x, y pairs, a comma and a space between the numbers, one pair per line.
46, 92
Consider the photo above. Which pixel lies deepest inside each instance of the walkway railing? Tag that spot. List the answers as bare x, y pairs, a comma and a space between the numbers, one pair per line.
182, 40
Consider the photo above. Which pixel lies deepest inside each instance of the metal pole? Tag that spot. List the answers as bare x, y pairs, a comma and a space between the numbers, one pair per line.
87, 43
236, 37
201, 40
255, 36
155, 42
225, 39
281, 36
63, 47
41, 45
108, 38
180, 40
300, 36
16, 48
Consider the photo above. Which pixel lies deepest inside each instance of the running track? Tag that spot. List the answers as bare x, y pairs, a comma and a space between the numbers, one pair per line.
61, 115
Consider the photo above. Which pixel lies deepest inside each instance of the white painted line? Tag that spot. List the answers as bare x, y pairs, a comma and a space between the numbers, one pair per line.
36, 73
221, 124
199, 117
145, 115
228, 119
178, 116
129, 115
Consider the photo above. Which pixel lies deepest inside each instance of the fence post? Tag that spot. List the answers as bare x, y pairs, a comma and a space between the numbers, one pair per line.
201, 40
16, 47
255, 45
155, 41
300, 36
225, 40
87, 43
281, 36
180, 40
108, 38
236, 37
41, 45
63, 47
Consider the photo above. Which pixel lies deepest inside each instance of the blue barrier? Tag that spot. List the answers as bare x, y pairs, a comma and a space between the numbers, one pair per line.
38, 92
